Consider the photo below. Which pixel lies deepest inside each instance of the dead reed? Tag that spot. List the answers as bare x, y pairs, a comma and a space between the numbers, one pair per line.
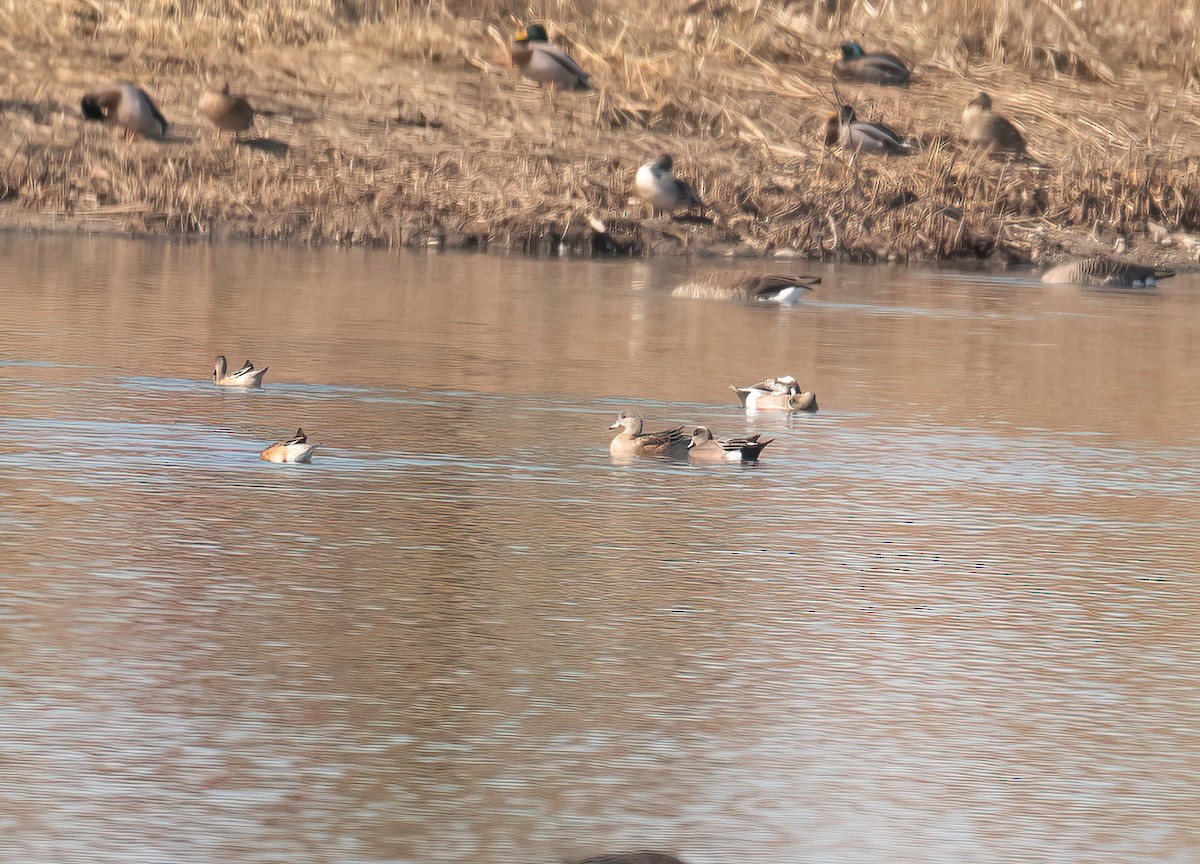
402, 123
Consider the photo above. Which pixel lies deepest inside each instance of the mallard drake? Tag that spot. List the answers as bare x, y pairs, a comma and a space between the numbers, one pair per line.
983, 127
228, 113
705, 448
295, 449
658, 185
1101, 272
128, 106
857, 65
247, 376
855, 134
780, 394
545, 63
731, 285
632, 441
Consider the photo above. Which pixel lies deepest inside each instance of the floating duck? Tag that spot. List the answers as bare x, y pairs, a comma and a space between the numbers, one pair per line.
633, 858
129, 107
228, 113
853, 134
983, 127
658, 185
247, 376
784, 288
632, 441
1101, 272
857, 65
547, 64
295, 449
705, 448
779, 394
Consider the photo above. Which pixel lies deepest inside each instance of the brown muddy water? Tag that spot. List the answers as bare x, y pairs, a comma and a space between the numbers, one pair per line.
950, 618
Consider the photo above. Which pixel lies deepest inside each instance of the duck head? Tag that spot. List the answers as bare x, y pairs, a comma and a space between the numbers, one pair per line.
532, 33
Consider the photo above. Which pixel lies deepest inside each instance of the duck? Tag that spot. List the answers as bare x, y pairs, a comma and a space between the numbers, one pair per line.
983, 127
632, 441
128, 106
782, 288
247, 376
644, 857
657, 184
704, 448
547, 64
857, 65
226, 112
782, 394
853, 134
295, 449
1099, 271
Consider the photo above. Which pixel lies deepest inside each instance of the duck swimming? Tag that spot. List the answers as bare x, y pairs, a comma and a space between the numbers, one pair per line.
782, 288
1102, 272
705, 448
781, 394
296, 449
247, 376
632, 441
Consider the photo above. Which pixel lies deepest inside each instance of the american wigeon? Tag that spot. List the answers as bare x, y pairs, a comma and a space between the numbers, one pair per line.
129, 107
705, 448
983, 127
851, 133
1102, 272
633, 858
227, 112
545, 63
877, 68
776, 394
247, 376
295, 449
657, 184
632, 441
782, 288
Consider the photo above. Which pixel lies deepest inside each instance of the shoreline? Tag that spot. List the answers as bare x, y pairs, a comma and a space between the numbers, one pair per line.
362, 144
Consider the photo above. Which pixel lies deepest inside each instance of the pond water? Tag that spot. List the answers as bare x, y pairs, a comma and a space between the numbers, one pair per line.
949, 618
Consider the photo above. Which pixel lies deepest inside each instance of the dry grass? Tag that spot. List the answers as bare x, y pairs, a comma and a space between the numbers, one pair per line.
402, 123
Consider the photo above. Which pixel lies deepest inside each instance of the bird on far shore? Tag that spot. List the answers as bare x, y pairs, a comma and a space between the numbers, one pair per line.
846, 129
983, 127
247, 376
783, 288
704, 448
1099, 271
857, 65
129, 107
226, 112
294, 450
657, 184
547, 64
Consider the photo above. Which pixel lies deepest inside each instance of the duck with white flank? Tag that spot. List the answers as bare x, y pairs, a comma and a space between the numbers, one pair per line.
547, 64
294, 450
